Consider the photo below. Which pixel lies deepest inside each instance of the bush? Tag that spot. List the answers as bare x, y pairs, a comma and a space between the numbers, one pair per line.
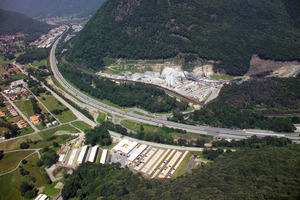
24, 162
24, 145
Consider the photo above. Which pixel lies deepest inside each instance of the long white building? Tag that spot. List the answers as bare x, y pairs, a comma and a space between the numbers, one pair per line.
72, 156
82, 155
93, 154
103, 156
137, 152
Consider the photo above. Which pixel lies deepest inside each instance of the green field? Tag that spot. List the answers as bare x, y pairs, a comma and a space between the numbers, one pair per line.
5, 62
11, 182
2, 70
18, 76
41, 63
25, 107
221, 77
150, 129
81, 125
44, 139
26, 131
11, 160
52, 103
101, 117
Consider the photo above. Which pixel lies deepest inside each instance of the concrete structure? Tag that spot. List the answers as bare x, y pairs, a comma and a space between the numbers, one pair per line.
82, 155
137, 152
125, 147
103, 156
72, 156
54, 123
93, 154
48, 125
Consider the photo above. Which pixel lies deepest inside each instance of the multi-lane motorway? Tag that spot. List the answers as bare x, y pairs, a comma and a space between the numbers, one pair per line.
217, 132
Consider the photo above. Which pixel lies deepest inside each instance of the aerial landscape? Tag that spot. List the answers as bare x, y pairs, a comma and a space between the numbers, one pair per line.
149, 99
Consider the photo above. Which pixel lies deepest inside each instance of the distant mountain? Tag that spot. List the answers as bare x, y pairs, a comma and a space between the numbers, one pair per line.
52, 8
226, 31
11, 23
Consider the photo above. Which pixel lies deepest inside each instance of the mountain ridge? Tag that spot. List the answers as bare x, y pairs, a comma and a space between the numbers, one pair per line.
230, 32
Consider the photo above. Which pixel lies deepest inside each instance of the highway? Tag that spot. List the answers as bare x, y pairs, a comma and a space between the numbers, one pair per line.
205, 130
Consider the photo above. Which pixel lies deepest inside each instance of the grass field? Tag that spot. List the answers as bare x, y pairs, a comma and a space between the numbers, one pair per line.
182, 168
26, 131
52, 103
37, 63
15, 144
221, 77
5, 62
19, 76
11, 160
2, 70
101, 117
25, 107
43, 139
81, 125
11, 182
150, 129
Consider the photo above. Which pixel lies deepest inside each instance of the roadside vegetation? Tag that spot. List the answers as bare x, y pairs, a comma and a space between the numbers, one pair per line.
247, 105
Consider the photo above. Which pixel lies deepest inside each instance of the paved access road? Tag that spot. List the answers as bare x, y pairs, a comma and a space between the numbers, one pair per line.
206, 130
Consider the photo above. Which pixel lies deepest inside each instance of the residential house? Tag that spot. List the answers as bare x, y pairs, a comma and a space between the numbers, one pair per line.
34, 119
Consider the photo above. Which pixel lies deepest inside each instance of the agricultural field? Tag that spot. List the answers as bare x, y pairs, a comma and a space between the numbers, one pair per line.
10, 183
81, 125
11, 160
54, 105
40, 140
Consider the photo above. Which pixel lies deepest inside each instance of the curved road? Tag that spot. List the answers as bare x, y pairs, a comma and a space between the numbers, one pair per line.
206, 130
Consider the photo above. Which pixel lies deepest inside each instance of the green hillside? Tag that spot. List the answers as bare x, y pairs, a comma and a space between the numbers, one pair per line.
52, 8
267, 173
227, 31
11, 23
246, 105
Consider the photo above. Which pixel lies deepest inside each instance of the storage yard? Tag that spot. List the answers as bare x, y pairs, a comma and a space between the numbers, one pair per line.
151, 161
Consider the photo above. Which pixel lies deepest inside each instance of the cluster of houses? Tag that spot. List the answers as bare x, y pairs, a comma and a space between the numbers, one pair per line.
12, 111
22, 124
11, 69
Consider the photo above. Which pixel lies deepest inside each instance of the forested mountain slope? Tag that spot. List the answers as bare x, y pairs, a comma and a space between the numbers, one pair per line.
227, 31
242, 105
267, 173
52, 8
11, 23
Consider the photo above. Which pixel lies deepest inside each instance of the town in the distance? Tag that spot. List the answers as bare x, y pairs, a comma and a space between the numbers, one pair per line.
86, 114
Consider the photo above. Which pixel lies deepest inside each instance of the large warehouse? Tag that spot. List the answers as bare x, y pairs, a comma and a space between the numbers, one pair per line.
125, 147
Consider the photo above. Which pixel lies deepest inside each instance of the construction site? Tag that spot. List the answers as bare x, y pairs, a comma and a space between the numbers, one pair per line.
195, 85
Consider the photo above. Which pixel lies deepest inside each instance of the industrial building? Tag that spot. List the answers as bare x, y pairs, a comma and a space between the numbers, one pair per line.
137, 152
72, 156
103, 156
82, 155
125, 147
93, 154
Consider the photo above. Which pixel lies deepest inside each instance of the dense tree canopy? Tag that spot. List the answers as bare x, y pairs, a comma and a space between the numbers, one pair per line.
12, 23
227, 31
126, 94
267, 173
243, 105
